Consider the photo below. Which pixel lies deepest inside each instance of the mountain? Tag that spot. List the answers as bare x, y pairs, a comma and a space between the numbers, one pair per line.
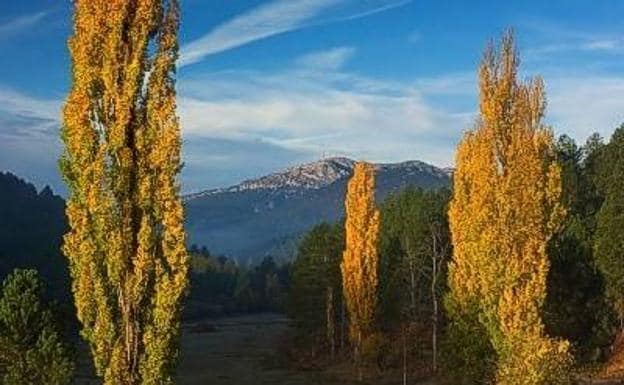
32, 224
266, 216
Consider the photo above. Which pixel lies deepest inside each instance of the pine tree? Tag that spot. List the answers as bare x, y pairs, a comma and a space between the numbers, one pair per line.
316, 283
609, 237
360, 261
31, 348
575, 307
414, 251
122, 157
505, 208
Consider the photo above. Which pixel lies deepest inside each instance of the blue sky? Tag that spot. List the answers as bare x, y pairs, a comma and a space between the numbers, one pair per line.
267, 84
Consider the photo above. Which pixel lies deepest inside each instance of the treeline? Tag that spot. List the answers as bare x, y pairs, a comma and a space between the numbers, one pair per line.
221, 286
32, 224
414, 250
516, 276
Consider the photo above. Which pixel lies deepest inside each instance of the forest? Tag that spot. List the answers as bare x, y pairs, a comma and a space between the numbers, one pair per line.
513, 275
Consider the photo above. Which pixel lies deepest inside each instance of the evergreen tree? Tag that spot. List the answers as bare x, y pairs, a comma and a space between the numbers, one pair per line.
315, 296
122, 157
505, 208
414, 248
609, 238
31, 346
360, 262
575, 307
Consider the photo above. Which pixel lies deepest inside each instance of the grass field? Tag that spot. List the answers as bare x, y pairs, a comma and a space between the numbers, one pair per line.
240, 350
245, 350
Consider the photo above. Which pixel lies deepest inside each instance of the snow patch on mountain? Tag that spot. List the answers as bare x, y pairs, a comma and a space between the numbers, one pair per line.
316, 175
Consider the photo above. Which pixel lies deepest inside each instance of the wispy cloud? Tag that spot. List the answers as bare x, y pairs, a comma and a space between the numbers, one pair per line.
371, 10
31, 115
333, 58
323, 109
553, 38
277, 17
594, 45
20, 23
29, 140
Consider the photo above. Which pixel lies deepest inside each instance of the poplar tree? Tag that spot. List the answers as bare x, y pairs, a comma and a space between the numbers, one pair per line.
121, 162
360, 260
505, 208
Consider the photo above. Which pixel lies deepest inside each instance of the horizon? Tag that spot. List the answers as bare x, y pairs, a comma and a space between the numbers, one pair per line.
279, 171
266, 85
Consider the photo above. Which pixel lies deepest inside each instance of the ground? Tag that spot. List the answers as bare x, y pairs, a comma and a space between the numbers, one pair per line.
239, 350
245, 350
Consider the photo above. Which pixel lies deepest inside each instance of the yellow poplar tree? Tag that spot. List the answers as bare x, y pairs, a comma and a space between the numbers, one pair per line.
121, 162
360, 258
505, 207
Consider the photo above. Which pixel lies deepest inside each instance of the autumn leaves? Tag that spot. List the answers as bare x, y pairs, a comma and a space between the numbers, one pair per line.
126, 246
126, 243
360, 258
505, 208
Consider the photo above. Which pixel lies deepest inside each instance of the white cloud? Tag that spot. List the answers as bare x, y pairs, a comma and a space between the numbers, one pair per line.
29, 140
592, 45
274, 18
331, 59
318, 110
34, 115
580, 105
385, 6
20, 23
553, 38
457, 83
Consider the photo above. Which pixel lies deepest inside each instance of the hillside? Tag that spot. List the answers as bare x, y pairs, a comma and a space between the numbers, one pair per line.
265, 216
32, 224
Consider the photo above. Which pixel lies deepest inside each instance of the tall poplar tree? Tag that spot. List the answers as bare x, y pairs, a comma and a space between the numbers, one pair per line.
505, 208
121, 162
360, 260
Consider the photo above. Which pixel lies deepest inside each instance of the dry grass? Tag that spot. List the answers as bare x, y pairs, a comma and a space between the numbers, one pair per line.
250, 350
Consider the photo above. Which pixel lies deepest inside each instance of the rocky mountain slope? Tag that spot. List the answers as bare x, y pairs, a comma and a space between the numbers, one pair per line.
266, 216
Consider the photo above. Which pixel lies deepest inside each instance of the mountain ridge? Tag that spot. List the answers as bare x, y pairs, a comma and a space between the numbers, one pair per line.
266, 215
313, 175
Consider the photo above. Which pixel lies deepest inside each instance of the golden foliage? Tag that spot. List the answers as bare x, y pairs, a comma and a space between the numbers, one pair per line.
360, 258
122, 156
505, 207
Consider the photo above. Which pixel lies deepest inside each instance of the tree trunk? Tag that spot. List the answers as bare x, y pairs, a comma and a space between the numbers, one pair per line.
342, 324
404, 355
434, 331
331, 319
412, 271
358, 356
